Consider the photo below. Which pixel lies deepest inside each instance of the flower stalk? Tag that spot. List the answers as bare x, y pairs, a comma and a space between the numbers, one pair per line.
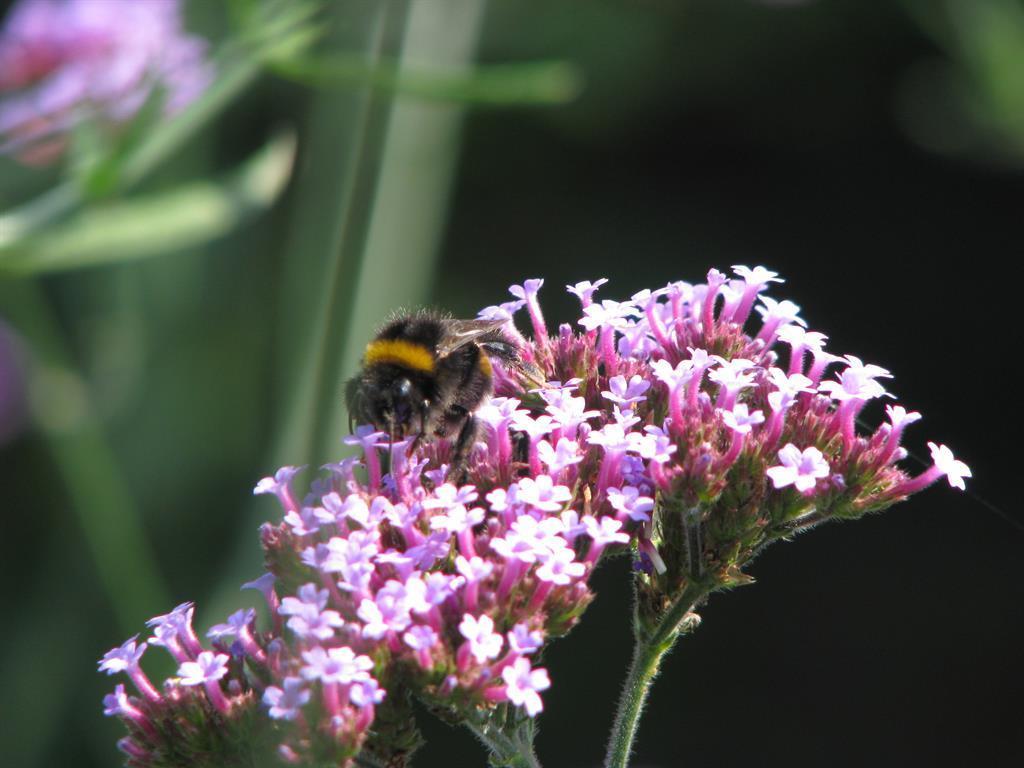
648, 653
507, 750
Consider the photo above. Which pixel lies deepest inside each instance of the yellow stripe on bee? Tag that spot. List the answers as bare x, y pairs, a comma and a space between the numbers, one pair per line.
399, 352
485, 365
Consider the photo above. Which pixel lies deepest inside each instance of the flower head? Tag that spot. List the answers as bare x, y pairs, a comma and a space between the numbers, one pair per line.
687, 447
66, 61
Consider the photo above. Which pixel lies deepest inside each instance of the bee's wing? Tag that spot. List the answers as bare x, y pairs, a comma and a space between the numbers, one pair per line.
459, 333
513, 362
487, 334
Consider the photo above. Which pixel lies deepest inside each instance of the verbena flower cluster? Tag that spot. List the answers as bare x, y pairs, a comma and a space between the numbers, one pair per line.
664, 428
62, 61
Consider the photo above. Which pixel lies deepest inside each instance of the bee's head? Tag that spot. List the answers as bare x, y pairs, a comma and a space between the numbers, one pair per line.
392, 406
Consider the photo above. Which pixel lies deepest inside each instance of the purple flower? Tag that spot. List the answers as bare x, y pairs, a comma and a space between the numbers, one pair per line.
448, 496
304, 522
572, 527
117, 703
367, 438
628, 502
585, 290
732, 376
899, 417
787, 388
856, 382
560, 567
309, 623
535, 428
503, 312
740, 419
608, 314
309, 597
523, 641
530, 539
623, 393
739, 294
207, 667
614, 438
123, 658
286, 703
952, 468
174, 631
433, 548
528, 293
944, 464
387, 613
481, 639
335, 665
673, 376
280, 486
236, 623
568, 411
308, 614
66, 61
457, 520
474, 569
605, 531
542, 493
366, 693
207, 670
565, 455
758, 276
524, 684
421, 637
801, 469
775, 313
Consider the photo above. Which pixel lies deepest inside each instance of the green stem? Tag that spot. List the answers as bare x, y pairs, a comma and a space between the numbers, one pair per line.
647, 656
505, 750
343, 132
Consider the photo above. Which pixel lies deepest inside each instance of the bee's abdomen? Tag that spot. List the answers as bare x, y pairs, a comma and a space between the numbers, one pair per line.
484, 364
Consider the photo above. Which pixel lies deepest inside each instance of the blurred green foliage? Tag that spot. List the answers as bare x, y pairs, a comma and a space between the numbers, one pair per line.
191, 300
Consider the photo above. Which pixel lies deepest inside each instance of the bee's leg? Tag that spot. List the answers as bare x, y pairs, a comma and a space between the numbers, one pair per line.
423, 411
460, 450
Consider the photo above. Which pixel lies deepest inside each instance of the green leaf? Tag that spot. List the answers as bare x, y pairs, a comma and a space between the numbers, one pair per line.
528, 83
158, 223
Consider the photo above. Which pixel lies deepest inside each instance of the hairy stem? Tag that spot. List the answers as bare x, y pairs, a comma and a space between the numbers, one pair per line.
505, 750
647, 657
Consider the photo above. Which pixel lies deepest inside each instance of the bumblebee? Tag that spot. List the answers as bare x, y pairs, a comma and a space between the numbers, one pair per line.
425, 374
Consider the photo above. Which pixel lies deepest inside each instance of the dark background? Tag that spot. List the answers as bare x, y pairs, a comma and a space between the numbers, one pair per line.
817, 139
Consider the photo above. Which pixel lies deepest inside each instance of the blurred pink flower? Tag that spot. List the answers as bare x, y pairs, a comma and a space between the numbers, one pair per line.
63, 61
